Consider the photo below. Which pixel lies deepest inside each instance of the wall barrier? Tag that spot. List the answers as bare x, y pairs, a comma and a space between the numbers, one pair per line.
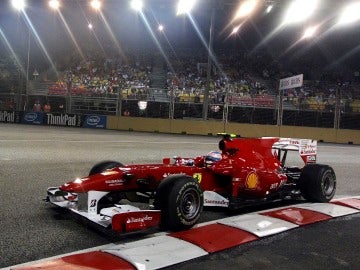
199, 127
177, 126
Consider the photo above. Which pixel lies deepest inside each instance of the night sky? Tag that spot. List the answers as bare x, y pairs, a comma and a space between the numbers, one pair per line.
130, 31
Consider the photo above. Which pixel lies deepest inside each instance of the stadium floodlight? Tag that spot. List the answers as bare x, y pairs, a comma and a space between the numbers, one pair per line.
18, 4
300, 10
350, 14
137, 5
245, 9
185, 6
269, 8
54, 4
235, 30
309, 32
95, 4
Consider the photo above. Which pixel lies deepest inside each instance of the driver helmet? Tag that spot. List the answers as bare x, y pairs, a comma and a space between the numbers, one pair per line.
212, 157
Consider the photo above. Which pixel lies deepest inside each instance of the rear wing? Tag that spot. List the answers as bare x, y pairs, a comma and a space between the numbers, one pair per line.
307, 148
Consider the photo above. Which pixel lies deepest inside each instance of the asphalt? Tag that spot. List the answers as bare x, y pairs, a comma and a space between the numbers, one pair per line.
33, 158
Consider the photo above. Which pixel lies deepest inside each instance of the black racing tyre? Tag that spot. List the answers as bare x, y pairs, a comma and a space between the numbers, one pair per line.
317, 183
180, 200
103, 166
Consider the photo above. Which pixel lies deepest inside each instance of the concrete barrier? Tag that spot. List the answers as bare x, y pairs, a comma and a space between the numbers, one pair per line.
320, 134
249, 130
212, 127
348, 136
197, 127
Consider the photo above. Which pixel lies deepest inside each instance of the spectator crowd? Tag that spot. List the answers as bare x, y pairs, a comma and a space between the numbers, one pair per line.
239, 78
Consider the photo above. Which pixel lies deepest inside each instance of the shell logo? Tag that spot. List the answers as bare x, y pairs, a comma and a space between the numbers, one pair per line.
251, 180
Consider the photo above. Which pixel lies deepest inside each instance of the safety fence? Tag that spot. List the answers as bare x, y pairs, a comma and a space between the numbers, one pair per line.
241, 110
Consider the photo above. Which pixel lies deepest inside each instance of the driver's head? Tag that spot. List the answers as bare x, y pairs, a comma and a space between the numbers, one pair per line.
212, 157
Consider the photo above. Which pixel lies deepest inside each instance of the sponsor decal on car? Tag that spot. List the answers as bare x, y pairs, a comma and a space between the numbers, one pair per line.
93, 203
216, 202
212, 198
308, 147
197, 177
276, 185
139, 219
252, 180
169, 174
115, 182
311, 159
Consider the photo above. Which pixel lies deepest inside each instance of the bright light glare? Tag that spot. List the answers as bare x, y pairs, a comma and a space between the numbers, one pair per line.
18, 4
90, 26
246, 8
137, 5
185, 6
235, 30
269, 8
350, 14
309, 32
161, 28
54, 4
78, 181
96, 4
300, 10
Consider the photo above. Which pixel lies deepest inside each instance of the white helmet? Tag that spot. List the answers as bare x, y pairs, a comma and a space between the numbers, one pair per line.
212, 157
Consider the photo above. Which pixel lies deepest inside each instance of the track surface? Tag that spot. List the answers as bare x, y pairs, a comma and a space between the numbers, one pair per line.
36, 157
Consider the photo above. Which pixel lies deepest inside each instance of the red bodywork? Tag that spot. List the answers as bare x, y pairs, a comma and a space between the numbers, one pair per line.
249, 171
248, 167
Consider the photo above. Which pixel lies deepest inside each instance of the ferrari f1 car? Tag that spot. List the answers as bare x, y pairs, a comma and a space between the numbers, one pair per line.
172, 194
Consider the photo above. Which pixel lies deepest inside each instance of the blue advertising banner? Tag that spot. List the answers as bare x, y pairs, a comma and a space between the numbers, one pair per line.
33, 118
94, 121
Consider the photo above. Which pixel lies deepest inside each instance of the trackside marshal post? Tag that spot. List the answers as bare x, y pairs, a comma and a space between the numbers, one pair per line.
287, 83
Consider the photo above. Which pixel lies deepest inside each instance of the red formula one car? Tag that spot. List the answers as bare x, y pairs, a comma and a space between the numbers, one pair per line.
172, 194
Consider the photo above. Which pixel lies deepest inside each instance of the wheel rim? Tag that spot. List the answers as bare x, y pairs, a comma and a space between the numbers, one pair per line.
190, 204
328, 184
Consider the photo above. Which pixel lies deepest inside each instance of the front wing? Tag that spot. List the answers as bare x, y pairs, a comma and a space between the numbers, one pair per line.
121, 217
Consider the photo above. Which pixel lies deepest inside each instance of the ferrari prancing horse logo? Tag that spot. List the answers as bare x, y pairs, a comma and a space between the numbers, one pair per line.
251, 180
198, 177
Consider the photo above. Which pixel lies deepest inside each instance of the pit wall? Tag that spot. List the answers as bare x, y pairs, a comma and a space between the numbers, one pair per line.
199, 127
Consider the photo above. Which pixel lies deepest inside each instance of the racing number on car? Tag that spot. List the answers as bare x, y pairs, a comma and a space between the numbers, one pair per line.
197, 177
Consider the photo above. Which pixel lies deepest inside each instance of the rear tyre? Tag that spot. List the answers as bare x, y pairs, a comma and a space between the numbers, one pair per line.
180, 200
317, 183
103, 166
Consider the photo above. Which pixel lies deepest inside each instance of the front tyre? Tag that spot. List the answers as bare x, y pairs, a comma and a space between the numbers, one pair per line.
103, 166
318, 183
181, 204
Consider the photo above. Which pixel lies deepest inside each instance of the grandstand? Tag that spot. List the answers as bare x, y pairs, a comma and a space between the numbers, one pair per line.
170, 71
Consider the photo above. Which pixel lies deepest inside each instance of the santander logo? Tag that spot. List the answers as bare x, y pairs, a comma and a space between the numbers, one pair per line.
139, 219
